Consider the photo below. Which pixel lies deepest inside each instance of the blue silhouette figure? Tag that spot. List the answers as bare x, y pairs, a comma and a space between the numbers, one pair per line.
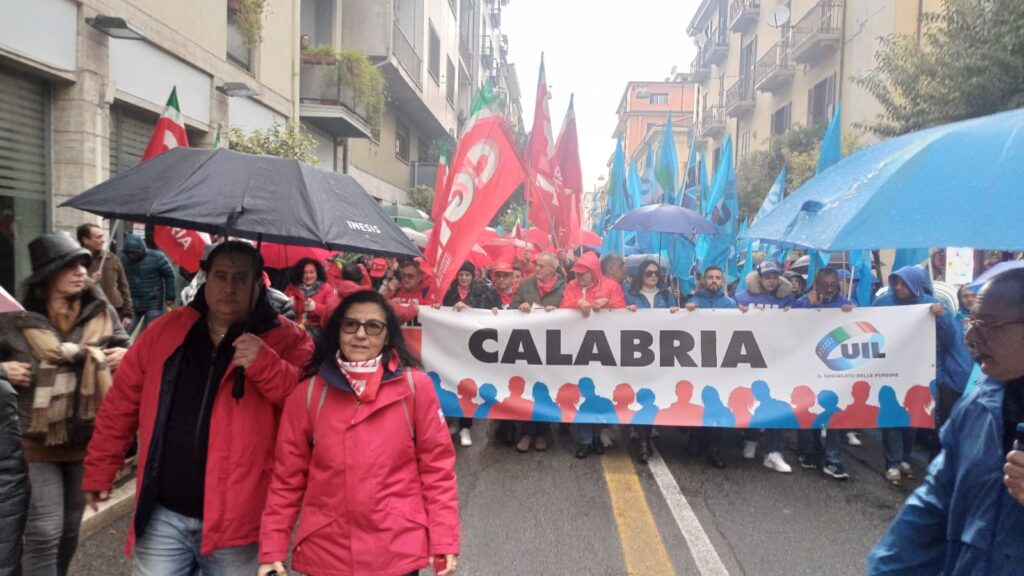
448, 399
544, 408
648, 409
890, 413
828, 400
594, 409
715, 412
490, 397
771, 413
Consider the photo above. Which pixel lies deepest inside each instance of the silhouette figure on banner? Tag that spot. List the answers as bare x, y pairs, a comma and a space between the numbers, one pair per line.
648, 411
890, 413
682, 412
489, 394
715, 413
567, 398
515, 407
544, 408
448, 399
859, 414
741, 401
803, 400
622, 397
829, 402
594, 409
467, 396
771, 413
917, 402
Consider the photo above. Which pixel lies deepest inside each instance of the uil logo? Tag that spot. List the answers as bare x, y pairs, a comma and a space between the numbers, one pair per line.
850, 346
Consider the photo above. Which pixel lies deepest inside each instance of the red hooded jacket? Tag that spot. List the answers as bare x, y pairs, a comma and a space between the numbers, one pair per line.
369, 497
601, 288
242, 432
406, 302
324, 302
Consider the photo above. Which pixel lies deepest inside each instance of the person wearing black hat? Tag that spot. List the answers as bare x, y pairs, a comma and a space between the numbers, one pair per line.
59, 354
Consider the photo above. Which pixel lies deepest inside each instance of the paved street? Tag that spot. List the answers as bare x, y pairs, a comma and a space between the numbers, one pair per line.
552, 514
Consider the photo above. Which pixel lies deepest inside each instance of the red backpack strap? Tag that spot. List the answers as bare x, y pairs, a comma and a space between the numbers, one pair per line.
408, 418
314, 415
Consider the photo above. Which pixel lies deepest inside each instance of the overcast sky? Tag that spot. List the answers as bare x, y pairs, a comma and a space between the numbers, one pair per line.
593, 48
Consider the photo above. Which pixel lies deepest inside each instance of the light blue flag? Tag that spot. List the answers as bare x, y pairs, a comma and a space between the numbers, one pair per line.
831, 152
863, 275
771, 200
910, 257
614, 240
633, 201
650, 191
723, 211
667, 169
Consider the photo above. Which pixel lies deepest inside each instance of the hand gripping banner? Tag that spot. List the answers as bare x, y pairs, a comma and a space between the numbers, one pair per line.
869, 368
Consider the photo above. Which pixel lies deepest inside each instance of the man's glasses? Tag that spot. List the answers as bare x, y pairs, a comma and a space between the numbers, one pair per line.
984, 327
372, 327
410, 276
830, 285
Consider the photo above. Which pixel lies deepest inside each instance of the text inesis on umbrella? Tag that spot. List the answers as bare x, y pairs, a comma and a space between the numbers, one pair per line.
363, 227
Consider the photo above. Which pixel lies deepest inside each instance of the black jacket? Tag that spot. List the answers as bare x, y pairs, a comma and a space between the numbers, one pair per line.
14, 485
480, 296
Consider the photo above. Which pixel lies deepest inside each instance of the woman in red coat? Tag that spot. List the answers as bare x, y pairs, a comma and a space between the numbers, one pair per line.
312, 296
363, 459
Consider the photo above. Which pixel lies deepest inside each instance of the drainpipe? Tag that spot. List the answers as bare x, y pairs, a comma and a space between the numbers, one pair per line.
842, 58
296, 57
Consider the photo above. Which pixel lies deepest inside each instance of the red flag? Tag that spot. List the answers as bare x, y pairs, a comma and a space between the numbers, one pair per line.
183, 247
568, 182
539, 151
485, 171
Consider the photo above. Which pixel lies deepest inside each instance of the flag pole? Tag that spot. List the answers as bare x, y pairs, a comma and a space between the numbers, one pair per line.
853, 275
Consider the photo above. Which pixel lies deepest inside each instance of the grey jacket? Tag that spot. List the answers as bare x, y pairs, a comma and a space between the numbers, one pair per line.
14, 485
528, 293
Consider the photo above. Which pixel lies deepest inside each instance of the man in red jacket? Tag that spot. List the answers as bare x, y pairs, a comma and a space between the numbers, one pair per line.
412, 292
204, 455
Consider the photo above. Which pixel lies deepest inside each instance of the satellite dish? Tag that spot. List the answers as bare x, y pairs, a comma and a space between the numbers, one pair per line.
777, 16
700, 39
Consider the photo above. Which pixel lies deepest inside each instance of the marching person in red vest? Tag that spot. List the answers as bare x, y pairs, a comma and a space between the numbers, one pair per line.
364, 461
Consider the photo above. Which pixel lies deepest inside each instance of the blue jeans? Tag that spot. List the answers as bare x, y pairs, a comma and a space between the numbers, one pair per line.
170, 547
772, 438
54, 517
897, 443
148, 315
809, 444
585, 433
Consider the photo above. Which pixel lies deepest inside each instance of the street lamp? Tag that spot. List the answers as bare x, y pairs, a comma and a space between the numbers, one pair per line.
115, 27
237, 90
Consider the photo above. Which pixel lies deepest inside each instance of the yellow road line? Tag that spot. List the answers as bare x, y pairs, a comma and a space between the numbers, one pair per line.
642, 547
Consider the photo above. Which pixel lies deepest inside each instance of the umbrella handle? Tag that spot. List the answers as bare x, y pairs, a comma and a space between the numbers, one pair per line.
238, 388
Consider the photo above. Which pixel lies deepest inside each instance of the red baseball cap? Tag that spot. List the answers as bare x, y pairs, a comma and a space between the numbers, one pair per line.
378, 267
501, 267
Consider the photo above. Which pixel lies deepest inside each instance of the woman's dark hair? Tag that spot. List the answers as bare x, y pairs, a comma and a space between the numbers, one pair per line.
37, 293
352, 273
638, 278
296, 274
330, 342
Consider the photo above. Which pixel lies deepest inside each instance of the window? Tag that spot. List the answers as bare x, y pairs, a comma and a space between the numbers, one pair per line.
434, 55
659, 98
744, 143
401, 141
819, 101
238, 53
781, 119
449, 82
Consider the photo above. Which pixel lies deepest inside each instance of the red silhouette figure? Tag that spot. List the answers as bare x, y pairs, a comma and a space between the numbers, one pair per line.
803, 399
860, 414
741, 401
916, 402
515, 407
567, 398
467, 393
622, 397
682, 412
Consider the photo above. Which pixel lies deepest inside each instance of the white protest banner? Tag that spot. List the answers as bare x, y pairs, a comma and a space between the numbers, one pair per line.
869, 368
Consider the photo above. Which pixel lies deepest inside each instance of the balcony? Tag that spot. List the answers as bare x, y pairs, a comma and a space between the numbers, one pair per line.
503, 45
716, 50
328, 103
818, 34
773, 70
464, 51
407, 56
739, 98
495, 14
487, 52
743, 14
700, 71
712, 122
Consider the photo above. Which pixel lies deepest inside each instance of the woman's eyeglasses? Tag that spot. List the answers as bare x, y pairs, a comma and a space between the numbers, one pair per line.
652, 273
372, 327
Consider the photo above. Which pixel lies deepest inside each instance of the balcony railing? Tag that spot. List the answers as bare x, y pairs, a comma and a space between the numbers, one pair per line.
739, 98
743, 13
700, 71
716, 49
407, 56
464, 51
818, 33
773, 70
712, 122
329, 102
487, 51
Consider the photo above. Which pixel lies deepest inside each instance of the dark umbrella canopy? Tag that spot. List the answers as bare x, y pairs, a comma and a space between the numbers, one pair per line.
225, 192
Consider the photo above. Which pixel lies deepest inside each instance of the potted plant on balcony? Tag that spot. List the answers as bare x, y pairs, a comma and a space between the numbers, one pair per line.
367, 85
319, 54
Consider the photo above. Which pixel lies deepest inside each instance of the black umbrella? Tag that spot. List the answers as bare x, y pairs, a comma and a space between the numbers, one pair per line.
246, 196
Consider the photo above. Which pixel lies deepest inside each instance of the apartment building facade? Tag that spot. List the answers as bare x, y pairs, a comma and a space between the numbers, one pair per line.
643, 110
766, 65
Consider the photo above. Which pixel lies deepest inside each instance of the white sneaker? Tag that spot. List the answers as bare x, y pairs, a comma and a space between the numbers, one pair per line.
893, 476
775, 461
606, 439
464, 438
453, 428
749, 449
852, 439
907, 470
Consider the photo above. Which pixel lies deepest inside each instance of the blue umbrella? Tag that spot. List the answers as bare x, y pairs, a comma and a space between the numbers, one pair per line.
665, 218
959, 184
995, 271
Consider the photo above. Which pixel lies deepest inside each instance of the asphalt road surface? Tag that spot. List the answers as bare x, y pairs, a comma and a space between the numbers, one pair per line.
549, 513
